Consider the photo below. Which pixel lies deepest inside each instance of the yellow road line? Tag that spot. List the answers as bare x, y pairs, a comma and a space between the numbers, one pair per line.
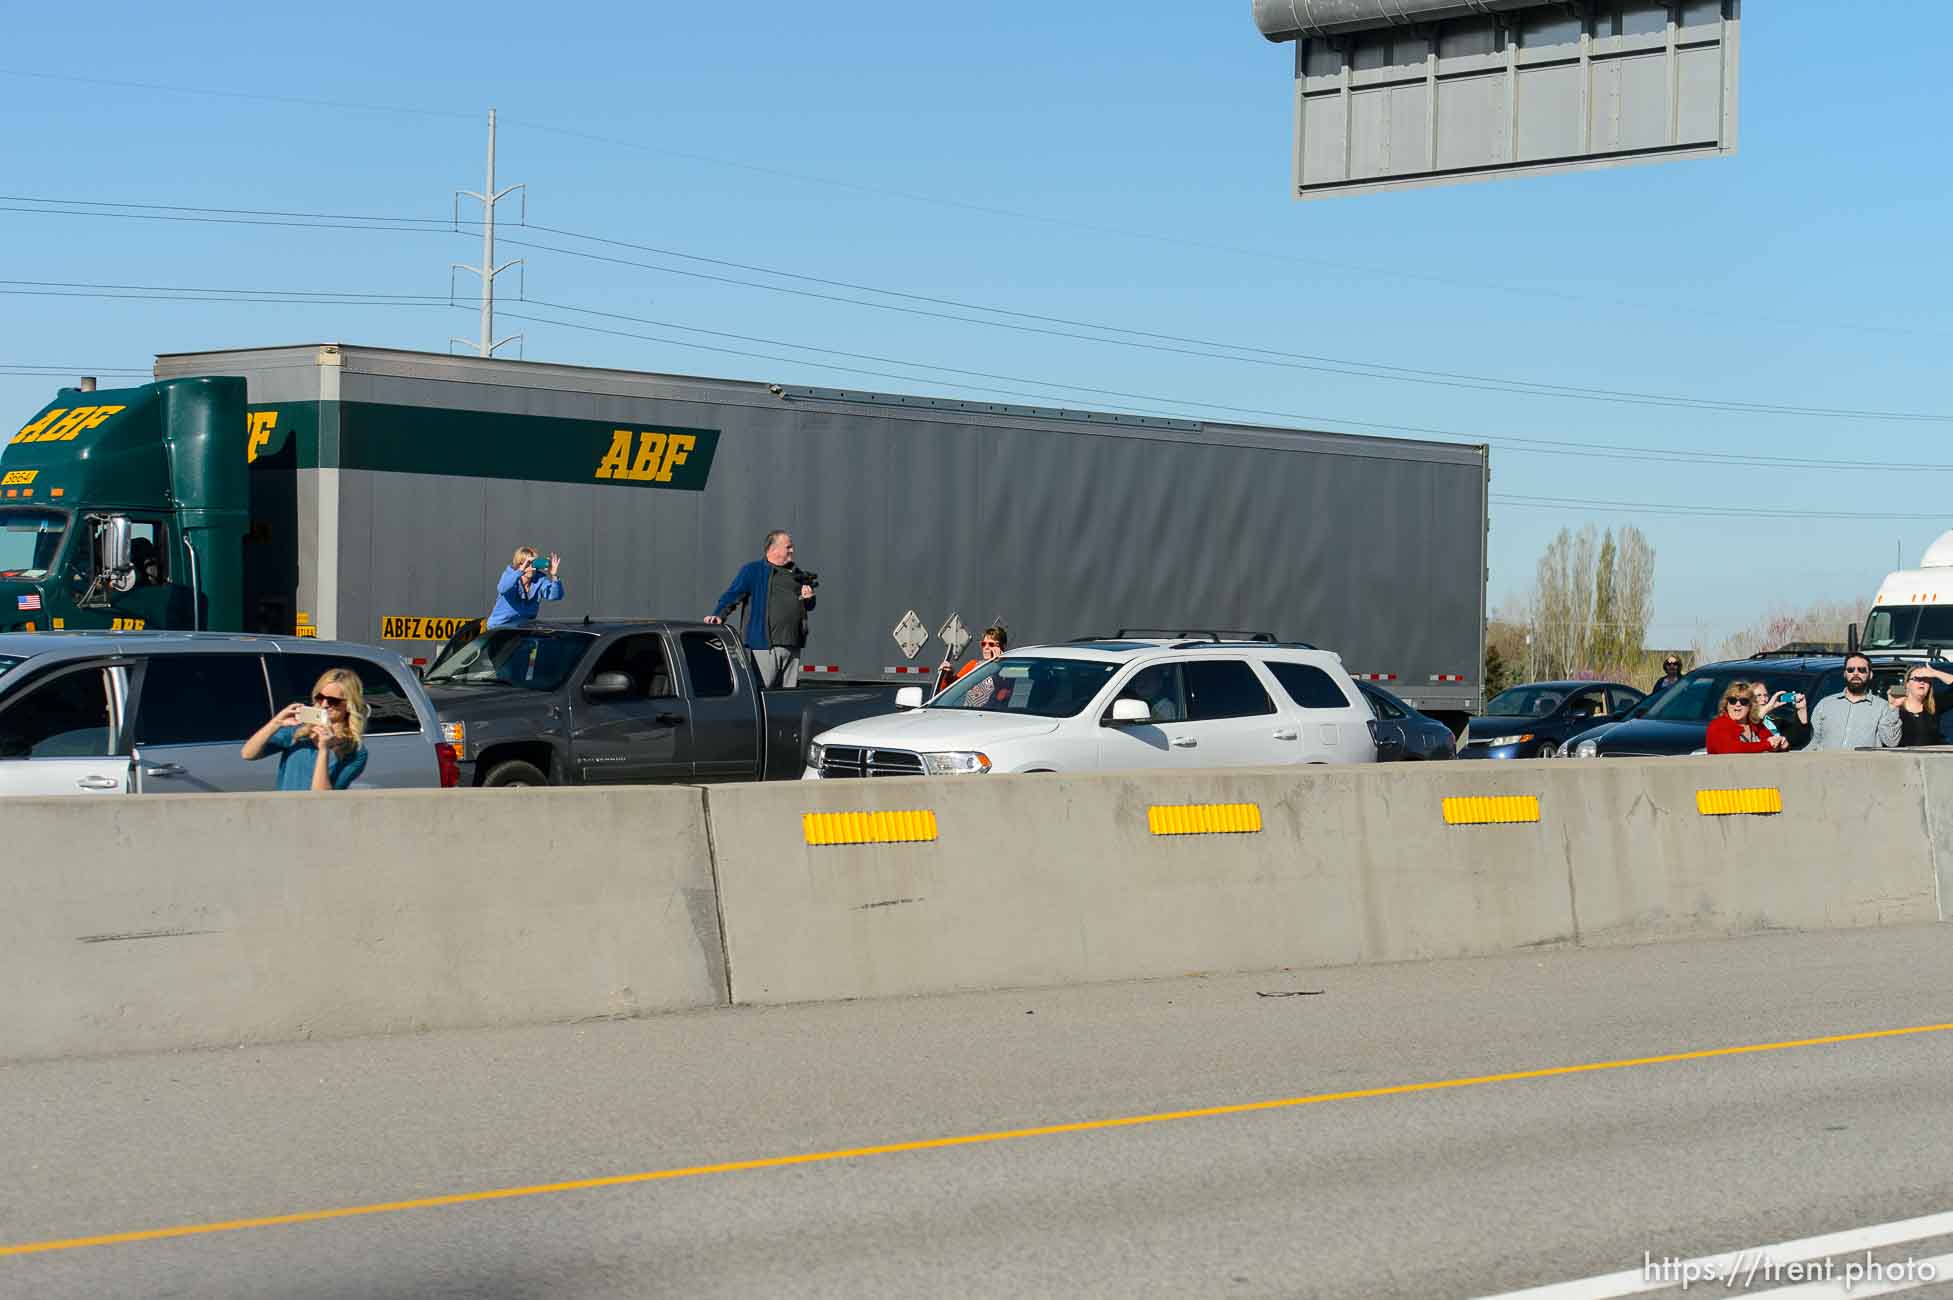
934, 1144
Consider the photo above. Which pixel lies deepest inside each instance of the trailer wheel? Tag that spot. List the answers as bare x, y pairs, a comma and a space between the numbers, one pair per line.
514, 773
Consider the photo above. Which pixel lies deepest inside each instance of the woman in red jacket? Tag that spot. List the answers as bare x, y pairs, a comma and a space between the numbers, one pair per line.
1734, 731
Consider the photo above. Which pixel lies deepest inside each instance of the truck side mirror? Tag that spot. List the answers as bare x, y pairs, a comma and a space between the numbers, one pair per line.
116, 564
909, 697
608, 684
1128, 711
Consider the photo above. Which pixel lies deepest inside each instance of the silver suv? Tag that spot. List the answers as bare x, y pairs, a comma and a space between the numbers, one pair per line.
162, 712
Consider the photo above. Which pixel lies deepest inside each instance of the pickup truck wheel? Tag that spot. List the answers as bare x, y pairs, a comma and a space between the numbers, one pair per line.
514, 772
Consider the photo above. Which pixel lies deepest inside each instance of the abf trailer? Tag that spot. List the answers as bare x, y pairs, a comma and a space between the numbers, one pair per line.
375, 495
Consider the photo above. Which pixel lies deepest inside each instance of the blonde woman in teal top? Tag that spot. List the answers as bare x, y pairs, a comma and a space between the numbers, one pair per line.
326, 755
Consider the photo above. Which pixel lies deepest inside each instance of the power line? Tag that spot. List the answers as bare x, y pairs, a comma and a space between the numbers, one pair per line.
78, 370
280, 294
376, 223
1325, 365
1208, 349
1723, 512
445, 223
260, 97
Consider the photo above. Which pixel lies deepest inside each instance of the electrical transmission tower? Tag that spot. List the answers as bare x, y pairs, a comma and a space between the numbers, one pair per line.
488, 198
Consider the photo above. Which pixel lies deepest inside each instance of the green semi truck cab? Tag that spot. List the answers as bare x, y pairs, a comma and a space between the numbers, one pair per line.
127, 509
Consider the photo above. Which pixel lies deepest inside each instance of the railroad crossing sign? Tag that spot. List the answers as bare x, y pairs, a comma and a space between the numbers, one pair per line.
954, 635
910, 634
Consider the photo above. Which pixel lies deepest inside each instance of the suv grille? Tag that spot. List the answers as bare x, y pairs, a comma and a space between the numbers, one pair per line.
844, 760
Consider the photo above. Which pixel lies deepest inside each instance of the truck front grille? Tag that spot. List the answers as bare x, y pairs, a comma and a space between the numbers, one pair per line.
845, 760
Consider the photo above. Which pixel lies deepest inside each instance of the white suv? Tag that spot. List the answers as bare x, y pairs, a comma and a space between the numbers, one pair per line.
1113, 705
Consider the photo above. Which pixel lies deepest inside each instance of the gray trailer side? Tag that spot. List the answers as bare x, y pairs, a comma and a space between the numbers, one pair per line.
420, 480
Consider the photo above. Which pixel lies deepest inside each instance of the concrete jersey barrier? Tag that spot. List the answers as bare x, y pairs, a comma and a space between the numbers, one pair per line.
834, 890
197, 920
183, 921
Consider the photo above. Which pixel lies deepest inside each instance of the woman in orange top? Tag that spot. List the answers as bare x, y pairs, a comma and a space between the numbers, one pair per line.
995, 642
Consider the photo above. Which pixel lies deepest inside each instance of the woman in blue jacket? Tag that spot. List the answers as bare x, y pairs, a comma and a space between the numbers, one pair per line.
525, 585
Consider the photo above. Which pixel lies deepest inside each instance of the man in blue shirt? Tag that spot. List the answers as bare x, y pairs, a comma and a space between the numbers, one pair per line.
525, 585
777, 602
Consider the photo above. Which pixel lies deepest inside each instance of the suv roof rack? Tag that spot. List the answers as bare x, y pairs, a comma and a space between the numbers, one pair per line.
1198, 633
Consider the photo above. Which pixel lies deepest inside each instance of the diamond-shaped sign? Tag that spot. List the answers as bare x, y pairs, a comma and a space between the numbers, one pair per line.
954, 635
910, 634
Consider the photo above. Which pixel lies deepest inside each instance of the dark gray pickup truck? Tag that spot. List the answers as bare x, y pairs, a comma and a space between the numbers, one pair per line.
627, 703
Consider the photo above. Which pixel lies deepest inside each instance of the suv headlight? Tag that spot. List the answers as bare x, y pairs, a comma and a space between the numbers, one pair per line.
955, 762
1587, 749
815, 753
1494, 742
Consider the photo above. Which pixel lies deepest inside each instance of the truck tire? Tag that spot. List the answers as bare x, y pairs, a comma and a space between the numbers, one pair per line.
514, 772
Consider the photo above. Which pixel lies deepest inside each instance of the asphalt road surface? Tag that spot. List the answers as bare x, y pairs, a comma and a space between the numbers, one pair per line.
881, 1149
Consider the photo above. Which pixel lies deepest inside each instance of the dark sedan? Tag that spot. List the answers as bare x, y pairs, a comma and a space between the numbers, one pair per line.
1404, 734
1531, 721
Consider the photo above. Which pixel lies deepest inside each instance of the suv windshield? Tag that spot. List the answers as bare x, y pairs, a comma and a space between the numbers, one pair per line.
1525, 702
29, 541
10, 661
1042, 688
531, 658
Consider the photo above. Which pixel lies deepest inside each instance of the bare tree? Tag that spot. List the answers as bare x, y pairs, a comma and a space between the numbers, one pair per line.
1592, 600
1824, 623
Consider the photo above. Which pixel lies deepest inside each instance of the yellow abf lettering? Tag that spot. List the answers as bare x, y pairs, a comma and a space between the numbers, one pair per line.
657, 455
617, 461
63, 425
33, 431
260, 424
650, 451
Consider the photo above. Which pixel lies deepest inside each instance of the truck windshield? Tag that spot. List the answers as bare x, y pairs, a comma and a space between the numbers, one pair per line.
1898, 627
29, 541
1042, 688
531, 658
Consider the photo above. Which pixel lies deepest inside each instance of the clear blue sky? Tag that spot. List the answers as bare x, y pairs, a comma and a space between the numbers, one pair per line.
1810, 269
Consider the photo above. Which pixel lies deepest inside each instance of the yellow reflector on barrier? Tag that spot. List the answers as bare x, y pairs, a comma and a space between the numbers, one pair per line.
1491, 810
1723, 803
869, 827
1204, 818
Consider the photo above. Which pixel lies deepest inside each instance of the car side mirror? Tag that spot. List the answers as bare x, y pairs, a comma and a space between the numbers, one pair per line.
116, 564
608, 684
1126, 712
909, 697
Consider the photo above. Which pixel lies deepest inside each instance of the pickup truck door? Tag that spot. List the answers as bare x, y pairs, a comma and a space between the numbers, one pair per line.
726, 709
64, 735
642, 736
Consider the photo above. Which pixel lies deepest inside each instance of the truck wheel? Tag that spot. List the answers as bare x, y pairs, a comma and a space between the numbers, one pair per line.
514, 772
